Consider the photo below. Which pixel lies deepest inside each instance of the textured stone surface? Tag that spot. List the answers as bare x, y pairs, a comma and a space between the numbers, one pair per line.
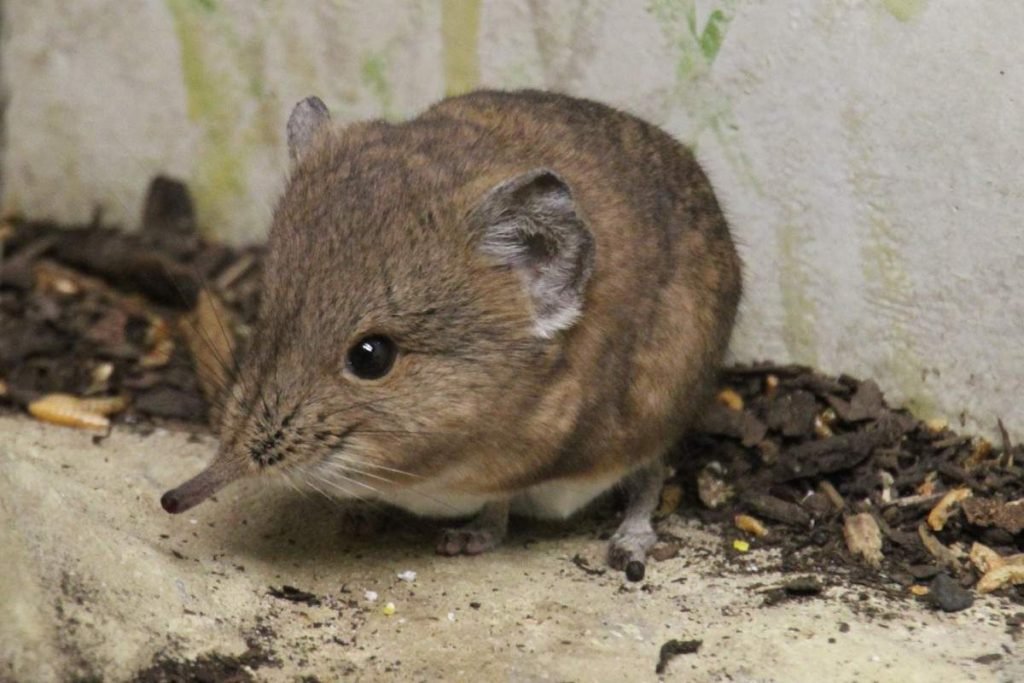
96, 581
867, 152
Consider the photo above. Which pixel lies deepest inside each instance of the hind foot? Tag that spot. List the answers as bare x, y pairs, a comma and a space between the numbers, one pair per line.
485, 531
635, 536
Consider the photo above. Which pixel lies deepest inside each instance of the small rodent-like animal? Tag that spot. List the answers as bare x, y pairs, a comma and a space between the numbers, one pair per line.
512, 302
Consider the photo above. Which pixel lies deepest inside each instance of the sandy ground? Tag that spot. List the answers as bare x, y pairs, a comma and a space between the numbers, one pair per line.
96, 582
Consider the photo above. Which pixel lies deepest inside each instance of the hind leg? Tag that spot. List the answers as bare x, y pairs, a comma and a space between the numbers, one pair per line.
484, 532
635, 534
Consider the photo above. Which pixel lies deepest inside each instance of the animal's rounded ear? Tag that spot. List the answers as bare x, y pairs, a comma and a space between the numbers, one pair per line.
308, 118
530, 223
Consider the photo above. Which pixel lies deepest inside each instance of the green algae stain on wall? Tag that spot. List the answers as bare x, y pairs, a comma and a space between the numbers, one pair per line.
373, 72
883, 270
220, 171
904, 10
697, 45
460, 30
887, 284
798, 309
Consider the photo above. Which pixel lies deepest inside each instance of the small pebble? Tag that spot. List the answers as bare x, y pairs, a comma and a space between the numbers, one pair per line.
408, 575
635, 571
371, 596
949, 595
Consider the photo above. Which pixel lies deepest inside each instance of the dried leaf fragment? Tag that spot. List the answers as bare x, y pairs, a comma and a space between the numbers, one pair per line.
946, 506
864, 538
80, 413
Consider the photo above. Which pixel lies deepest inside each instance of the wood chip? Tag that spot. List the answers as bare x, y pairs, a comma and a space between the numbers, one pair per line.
780, 510
1000, 577
864, 538
945, 556
1006, 457
824, 456
984, 558
988, 512
48, 271
946, 506
826, 487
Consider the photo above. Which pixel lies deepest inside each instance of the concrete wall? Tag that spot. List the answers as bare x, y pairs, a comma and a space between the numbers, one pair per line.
869, 152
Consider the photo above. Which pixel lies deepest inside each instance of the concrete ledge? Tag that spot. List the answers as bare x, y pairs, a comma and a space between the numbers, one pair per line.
97, 581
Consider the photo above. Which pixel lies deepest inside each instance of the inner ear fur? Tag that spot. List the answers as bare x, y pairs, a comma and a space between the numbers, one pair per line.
530, 223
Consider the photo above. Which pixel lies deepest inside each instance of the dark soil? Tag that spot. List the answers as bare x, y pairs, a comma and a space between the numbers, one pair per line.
209, 668
86, 310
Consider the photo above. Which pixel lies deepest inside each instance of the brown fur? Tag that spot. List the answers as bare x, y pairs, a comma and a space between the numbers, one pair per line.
373, 235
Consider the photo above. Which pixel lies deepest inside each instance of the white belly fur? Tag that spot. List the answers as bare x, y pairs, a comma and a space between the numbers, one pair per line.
551, 500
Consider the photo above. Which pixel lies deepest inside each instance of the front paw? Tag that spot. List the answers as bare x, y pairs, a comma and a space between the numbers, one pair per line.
630, 546
467, 541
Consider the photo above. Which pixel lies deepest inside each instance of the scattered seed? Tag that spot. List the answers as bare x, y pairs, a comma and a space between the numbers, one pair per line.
739, 545
80, 413
730, 399
751, 525
821, 428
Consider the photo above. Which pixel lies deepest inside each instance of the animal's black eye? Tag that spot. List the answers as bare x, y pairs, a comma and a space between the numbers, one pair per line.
372, 357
